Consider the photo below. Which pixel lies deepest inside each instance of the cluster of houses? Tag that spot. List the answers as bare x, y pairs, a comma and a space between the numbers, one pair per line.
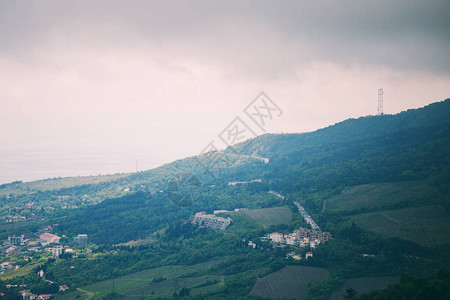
27, 295
302, 238
17, 244
43, 240
211, 221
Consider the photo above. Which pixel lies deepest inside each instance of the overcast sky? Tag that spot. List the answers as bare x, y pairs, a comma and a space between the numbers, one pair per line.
89, 87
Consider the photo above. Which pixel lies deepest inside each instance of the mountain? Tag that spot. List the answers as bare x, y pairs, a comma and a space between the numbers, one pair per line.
412, 145
379, 184
407, 147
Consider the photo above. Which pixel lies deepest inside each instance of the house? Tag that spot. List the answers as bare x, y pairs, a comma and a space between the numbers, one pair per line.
290, 254
69, 251
81, 239
16, 239
6, 266
27, 295
63, 198
57, 251
212, 221
48, 238
251, 244
233, 183
313, 234
44, 296
367, 255
297, 256
63, 288
276, 237
309, 254
302, 243
291, 240
240, 209
12, 250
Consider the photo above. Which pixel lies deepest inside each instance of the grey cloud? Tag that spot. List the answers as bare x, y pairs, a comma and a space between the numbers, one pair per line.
400, 34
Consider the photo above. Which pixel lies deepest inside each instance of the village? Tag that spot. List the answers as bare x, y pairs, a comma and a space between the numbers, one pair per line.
21, 249
301, 238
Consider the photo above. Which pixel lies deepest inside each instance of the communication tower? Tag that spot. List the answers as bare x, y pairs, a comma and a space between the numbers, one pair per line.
380, 102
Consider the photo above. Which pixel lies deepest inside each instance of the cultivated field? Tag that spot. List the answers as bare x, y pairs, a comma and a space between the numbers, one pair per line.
365, 285
270, 216
136, 285
289, 282
380, 195
425, 225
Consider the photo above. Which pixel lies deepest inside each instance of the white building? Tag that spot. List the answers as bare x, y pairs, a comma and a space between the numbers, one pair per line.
57, 251
276, 237
16, 239
81, 239
212, 221
291, 241
6, 266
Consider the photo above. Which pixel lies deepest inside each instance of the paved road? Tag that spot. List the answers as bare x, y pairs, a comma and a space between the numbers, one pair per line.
307, 217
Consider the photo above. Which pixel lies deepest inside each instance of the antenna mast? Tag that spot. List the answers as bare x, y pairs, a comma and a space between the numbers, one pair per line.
380, 102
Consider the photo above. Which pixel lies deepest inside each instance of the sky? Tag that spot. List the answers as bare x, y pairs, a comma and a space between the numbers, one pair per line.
99, 87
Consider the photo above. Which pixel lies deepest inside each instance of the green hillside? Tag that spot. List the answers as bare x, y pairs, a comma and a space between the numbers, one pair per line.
289, 282
379, 184
377, 196
425, 225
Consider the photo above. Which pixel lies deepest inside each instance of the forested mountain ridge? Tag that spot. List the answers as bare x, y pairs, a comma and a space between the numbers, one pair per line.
379, 184
409, 146
412, 145
432, 116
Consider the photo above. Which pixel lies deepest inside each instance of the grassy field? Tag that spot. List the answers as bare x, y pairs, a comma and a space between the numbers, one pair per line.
364, 285
380, 195
425, 225
136, 285
289, 282
270, 216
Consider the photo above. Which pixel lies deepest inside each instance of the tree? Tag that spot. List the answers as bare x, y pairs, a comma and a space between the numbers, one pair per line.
350, 293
